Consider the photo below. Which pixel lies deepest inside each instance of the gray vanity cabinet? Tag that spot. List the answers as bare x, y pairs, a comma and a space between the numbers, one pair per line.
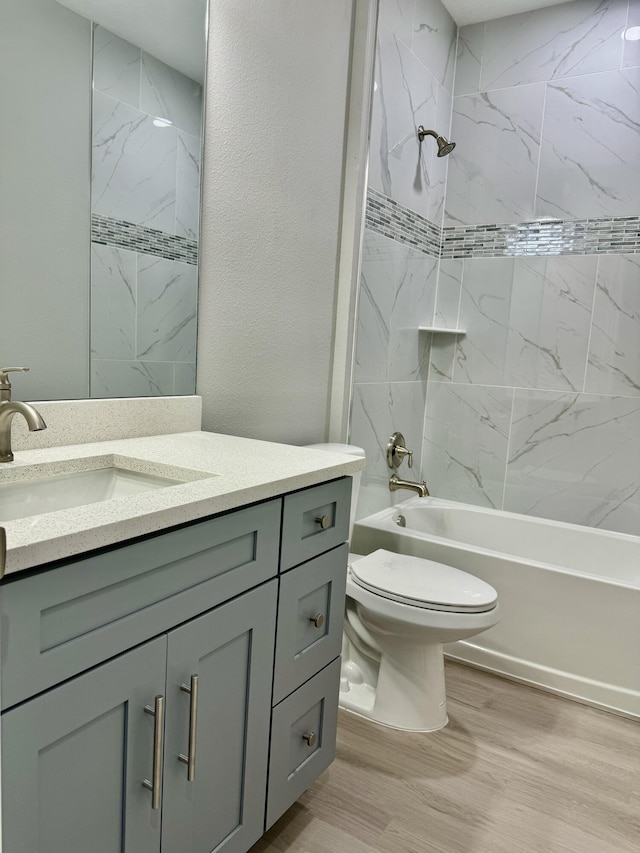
75, 758
202, 662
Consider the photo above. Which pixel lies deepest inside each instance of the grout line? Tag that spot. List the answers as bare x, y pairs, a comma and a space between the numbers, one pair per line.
593, 309
544, 110
480, 75
506, 461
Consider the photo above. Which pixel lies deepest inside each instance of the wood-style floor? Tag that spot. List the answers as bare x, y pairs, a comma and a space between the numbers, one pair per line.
516, 770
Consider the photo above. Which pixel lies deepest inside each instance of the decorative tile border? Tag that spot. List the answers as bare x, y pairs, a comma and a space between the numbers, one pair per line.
401, 224
146, 241
610, 235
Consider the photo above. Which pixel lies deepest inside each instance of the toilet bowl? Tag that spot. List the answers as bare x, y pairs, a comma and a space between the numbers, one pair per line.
399, 611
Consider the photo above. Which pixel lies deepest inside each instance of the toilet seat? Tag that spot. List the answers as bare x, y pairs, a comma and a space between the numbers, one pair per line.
417, 582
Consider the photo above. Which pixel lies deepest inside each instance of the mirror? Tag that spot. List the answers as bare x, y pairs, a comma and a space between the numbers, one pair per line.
100, 155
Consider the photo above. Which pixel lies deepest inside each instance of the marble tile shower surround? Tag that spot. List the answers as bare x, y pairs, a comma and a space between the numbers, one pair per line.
147, 124
537, 408
570, 457
413, 85
546, 116
538, 260
397, 288
378, 409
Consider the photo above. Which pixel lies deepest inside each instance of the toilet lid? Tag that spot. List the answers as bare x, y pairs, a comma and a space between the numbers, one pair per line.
423, 583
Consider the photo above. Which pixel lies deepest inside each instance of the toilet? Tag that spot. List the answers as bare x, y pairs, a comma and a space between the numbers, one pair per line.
399, 612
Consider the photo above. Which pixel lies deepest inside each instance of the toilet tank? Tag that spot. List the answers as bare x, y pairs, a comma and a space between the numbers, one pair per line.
349, 450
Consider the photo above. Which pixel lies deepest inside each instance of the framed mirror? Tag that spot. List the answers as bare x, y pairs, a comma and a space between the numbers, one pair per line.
100, 161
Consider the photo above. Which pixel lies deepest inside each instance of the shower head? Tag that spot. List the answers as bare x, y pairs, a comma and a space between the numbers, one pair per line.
444, 147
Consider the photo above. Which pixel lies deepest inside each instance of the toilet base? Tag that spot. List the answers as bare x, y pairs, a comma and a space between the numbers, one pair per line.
410, 690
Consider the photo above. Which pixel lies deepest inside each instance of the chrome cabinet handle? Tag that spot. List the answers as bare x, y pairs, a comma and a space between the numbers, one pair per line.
311, 738
155, 786
190, 758
318, 620
324, 521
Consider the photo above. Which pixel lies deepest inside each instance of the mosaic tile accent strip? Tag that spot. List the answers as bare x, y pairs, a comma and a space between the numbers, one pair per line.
146, 241
401, 224
612, 235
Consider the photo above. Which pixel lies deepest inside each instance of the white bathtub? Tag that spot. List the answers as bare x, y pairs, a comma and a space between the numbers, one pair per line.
569, 595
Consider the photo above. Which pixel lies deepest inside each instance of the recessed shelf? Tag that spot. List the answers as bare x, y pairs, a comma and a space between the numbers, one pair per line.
442, 330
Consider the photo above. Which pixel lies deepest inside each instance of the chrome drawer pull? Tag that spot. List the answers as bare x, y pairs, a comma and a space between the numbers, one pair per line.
190, 759
155, 786
318, 620
311, 738
324, 521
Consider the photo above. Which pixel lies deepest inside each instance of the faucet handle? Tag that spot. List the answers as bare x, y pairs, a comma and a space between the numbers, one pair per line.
396, 451
5, 385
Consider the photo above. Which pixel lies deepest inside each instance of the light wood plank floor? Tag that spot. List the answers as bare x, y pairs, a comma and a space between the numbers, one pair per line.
516, 770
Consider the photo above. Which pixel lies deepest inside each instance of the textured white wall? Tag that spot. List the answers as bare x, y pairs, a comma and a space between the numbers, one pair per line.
274, 151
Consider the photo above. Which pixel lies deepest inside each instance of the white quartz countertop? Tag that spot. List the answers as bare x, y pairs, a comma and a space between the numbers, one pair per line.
232, 472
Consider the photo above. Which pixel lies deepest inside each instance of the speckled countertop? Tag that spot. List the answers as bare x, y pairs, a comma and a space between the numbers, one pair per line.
224, 472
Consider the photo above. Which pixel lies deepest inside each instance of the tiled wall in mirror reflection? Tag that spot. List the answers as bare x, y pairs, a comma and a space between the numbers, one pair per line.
147, 126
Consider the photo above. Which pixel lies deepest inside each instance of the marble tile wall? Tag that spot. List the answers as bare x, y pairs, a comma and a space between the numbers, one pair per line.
545, 116
397, 293
537, 408
414, 73
143, 324
413, 86
147, 126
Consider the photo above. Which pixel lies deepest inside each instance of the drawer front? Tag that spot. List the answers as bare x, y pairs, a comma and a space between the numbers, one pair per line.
310, 618
303, 739
58, 623
314, 521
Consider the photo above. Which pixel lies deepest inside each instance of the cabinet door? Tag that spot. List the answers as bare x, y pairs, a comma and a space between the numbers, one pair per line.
230, 650
74, 760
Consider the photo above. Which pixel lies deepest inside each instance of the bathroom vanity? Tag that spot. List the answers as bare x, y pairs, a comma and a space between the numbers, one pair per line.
174, 689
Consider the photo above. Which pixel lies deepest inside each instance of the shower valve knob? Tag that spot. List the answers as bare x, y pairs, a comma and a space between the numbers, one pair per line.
396, 451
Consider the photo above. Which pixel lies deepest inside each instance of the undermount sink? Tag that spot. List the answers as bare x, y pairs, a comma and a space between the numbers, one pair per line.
38, 489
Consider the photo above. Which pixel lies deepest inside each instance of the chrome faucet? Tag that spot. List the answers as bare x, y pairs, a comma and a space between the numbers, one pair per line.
8, 409
396, 452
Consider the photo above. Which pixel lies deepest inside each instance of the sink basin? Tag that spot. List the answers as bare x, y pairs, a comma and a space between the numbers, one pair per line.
39, 489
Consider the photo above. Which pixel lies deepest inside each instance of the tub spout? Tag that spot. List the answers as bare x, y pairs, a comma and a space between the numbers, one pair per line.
396, 483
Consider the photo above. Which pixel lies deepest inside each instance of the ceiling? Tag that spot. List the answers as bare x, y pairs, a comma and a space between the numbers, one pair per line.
473, 11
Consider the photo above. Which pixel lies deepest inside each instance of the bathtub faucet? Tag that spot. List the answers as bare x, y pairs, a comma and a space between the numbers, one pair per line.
396, 483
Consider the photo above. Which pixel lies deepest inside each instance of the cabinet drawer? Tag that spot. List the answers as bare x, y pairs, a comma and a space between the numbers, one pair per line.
314, 521
303, 739
58, 623
312, 593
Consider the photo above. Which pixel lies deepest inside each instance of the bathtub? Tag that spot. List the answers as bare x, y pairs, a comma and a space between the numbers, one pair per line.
569, 595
